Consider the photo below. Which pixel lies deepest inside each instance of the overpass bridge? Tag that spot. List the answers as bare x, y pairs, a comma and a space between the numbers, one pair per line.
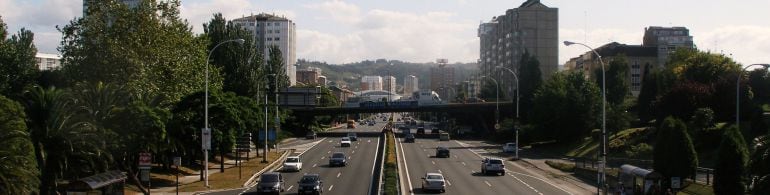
485, 107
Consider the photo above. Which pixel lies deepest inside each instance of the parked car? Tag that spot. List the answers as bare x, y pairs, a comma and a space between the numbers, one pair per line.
292, 163
435, 131
311, 135
509, 147
409, 138
433, 182
338, 159
310, 184
270, 182
421, 130
443, 137
352, 136
442, 152
345, 142
492, 165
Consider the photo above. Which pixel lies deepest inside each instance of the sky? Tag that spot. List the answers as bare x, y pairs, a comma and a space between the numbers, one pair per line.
344, 31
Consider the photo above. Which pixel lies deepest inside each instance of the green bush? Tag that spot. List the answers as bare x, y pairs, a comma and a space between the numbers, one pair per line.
732, 158
561, 166
641, 150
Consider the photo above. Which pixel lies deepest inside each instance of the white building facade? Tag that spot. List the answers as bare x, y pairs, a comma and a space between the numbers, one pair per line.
410, 85
46, 61
371, 83
389, 84
270, 30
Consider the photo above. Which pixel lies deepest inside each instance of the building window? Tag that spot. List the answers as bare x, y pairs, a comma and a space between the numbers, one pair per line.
268, 24
277, 24
269, 31
277, 31
277, 39
269, 39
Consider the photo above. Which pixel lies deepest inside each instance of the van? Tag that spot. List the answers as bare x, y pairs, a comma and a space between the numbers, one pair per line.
443, 137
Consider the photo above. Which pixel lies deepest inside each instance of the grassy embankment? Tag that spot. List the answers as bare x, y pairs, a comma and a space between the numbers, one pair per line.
390, 177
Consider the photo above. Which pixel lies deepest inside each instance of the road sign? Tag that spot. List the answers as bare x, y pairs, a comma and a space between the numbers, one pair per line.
675, 183
144, 175
497, 126
270, 135
177, 161
145, 159
206, 138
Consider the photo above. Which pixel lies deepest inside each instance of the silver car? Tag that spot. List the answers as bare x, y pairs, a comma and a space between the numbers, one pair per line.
270, 182
433, 182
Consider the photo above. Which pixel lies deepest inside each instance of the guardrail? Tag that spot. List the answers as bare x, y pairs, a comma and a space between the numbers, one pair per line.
272, 166
377, 184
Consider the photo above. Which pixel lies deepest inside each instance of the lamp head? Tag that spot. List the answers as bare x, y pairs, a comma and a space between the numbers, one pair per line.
240, 41
765, 65
568, 43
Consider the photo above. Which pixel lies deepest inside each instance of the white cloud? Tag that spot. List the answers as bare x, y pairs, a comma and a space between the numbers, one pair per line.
338, 10
199, 12
747, 44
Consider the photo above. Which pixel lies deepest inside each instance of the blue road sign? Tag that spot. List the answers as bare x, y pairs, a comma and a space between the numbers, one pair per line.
270, 135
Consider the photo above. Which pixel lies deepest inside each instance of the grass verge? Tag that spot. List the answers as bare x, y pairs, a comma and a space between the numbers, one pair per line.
561, 166
391, 170
696, 188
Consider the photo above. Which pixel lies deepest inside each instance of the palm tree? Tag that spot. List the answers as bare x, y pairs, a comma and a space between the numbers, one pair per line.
18, 171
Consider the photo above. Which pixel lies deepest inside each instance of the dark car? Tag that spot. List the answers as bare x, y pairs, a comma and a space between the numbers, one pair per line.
338, 159
409, 138
442, 152
421, 130
270, 182
311, 135
352, 136
310, 184
434, 131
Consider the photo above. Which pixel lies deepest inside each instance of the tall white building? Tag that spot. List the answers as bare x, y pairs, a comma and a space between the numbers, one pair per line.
371, 83
46, 61
389, 84
270, 30
410, 85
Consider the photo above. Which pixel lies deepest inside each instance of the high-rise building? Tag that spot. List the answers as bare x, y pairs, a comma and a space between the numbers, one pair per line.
410, 85
639, 57
46, 61
389, 84
371, 83
270, 30
532, 27
666, 40
442, 81
309, 76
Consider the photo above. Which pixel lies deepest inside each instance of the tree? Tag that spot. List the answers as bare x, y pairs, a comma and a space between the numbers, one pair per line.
683, 99
616, 78
18, 169
732, 158
759, 80
702, 118
148, 48
759, 166
566, 106
674, 154
240, 63
18, 69
647, 95
530, 80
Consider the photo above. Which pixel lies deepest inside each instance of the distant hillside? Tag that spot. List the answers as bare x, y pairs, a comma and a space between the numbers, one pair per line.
350, 74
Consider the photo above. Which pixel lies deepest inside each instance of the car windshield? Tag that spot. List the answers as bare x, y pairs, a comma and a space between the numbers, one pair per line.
495, 162
435, 177
309, 179
292, 160
269, 178
345, 139
338, 155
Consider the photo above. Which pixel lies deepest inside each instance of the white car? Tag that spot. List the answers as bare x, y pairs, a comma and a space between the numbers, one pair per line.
292, 163
345, 142
492, 165
509, 147
433, 181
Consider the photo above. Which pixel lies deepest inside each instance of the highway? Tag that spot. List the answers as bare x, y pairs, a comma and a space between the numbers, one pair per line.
355, 178
462, 169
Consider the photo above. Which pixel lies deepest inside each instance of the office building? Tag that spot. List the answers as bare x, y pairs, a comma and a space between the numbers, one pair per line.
389, 84
639, 58
410, 85
667, 40
270, 30
46, 61
371, 83
310, 76
532, 27
442, 81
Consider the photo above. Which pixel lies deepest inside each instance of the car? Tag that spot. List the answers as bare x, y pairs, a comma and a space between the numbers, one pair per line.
492, 165
292, 163
270, 182
405, 130
442, 151
345, 142
338, 159
311, 135
509, 147
310, 184
371, 123
409, 138
434, 131
433, 182
443, 137
420, 130
352, 136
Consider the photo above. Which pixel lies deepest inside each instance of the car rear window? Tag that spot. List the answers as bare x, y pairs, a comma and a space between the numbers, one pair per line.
338, 155
309, 179
269, 178
434, 177
292, 160
495, 162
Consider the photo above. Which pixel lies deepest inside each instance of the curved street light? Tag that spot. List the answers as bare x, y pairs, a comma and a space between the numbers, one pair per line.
206, 110
517, 107
497, 100
738, 93
604, 113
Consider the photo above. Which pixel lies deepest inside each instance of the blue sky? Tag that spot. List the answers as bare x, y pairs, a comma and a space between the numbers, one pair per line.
338, 31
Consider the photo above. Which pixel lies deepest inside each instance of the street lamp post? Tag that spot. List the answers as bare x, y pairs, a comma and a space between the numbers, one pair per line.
517, 108
604, 114
738, 93
206, 110
497, 100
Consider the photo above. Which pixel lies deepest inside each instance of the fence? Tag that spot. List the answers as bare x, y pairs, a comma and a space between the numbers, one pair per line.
702, 175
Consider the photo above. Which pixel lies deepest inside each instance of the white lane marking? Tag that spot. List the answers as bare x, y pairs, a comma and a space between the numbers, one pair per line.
439, 171
374, 162
369, 141
406, 168
549, 183
434, 162
356, 147
329, 152
490, 185
289, 189
315, 165
323, 157
330, 141
338, 174
463, 163
530, 187
348, 157
330, 187
447, 182
353, 152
